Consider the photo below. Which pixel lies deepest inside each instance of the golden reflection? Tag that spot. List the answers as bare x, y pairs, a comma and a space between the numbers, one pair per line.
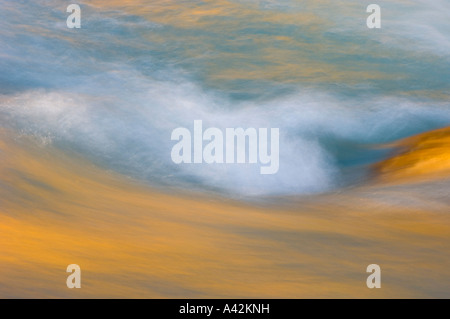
134, 241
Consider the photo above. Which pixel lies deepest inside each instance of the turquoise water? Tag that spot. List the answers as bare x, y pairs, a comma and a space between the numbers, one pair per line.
116, 88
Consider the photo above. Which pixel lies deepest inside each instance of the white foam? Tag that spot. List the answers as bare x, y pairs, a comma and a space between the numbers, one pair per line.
130, 131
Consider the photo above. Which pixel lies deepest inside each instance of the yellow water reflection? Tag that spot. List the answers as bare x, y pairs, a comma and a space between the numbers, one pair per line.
133, 241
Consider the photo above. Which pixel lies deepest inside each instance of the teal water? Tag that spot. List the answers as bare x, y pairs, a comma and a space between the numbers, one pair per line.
116, 88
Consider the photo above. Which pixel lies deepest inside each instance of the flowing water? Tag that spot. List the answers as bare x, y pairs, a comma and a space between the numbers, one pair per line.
87, 116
